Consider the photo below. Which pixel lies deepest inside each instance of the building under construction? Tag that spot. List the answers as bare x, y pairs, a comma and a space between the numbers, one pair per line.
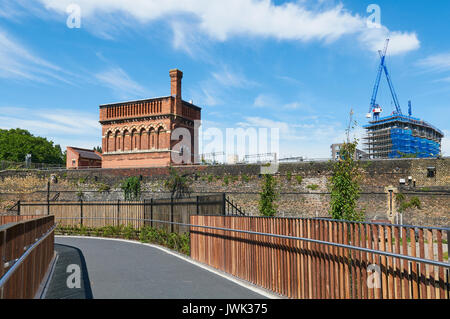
398, 135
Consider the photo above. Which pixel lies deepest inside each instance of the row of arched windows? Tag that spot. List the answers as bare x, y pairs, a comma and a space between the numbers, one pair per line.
136, 139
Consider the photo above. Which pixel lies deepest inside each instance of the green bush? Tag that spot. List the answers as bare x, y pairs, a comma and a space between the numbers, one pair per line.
102, 187
289, 176
131, 188
268, 196
299, 179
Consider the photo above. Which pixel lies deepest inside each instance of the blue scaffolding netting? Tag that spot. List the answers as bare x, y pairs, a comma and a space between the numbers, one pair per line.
403, 142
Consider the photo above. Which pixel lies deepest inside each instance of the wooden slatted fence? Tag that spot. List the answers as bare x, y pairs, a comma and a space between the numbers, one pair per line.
104, 213
15, 240
311, 270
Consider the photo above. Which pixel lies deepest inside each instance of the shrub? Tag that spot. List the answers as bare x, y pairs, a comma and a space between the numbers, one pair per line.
245, 178
177, 185
345, 188
299, 179
131, 188
268, 195
289, 176
102, 187
313, 187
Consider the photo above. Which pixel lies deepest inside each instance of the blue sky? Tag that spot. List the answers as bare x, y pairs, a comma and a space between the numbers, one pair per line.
296, 65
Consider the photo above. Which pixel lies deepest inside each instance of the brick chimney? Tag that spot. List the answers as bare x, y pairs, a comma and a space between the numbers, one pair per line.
175, 82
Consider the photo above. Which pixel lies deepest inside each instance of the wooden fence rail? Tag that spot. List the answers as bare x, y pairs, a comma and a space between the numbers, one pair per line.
309, 270
21, 278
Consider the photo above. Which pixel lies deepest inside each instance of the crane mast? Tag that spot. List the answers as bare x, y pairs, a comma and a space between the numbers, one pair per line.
374, 108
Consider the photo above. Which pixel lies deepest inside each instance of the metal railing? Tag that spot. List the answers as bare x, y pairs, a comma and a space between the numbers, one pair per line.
316, 241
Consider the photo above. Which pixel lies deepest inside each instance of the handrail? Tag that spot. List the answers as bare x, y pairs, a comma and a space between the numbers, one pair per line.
367, 250
19, 261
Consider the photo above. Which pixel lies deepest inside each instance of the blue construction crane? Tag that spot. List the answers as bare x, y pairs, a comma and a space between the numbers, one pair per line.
374, 107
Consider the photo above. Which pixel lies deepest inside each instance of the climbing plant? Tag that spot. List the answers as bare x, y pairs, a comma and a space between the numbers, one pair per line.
345, 189
131, 188
268, 196
178, 185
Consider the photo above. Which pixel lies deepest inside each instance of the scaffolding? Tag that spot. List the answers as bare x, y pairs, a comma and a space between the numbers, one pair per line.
399, 136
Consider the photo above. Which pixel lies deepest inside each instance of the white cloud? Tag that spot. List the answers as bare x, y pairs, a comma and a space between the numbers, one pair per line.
400, 42
120, 82
67, 128
220, 20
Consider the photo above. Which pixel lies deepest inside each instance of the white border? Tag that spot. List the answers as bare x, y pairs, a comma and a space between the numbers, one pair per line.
240, 282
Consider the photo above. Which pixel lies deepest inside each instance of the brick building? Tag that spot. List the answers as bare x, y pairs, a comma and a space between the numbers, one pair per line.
138, 133
82, 158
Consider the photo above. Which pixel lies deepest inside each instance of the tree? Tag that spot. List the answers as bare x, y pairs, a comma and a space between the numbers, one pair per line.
15, 144
98, 149
177, 185
345, 190
268, 196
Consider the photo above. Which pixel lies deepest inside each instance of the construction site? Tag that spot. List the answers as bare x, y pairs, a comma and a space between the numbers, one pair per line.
398, 135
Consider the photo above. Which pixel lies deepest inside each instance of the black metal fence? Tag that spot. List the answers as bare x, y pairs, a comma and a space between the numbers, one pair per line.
134, 213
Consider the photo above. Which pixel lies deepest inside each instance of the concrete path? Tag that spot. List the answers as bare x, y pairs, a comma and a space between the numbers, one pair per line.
118, 269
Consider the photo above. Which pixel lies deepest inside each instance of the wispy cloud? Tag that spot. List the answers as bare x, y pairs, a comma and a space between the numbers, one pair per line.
437, 62
312, 139
265, 100
19, 63
116, 79
226, 77
219, 20
63, 127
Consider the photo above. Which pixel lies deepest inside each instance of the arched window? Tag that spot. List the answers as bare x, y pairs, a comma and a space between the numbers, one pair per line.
160, 141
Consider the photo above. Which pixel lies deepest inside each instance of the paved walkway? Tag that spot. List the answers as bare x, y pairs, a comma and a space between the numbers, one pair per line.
117, 269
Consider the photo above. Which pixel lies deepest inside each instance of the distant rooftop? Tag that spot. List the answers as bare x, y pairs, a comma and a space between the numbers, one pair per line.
86, 153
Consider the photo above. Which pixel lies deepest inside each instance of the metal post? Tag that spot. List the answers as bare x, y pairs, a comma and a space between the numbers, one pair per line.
81, 212
18, 208
151, 212
197, 203
118, 211
145, 212
223, 203
171, 214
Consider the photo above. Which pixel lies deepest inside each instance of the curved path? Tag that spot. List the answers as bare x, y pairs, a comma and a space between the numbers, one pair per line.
123, 269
